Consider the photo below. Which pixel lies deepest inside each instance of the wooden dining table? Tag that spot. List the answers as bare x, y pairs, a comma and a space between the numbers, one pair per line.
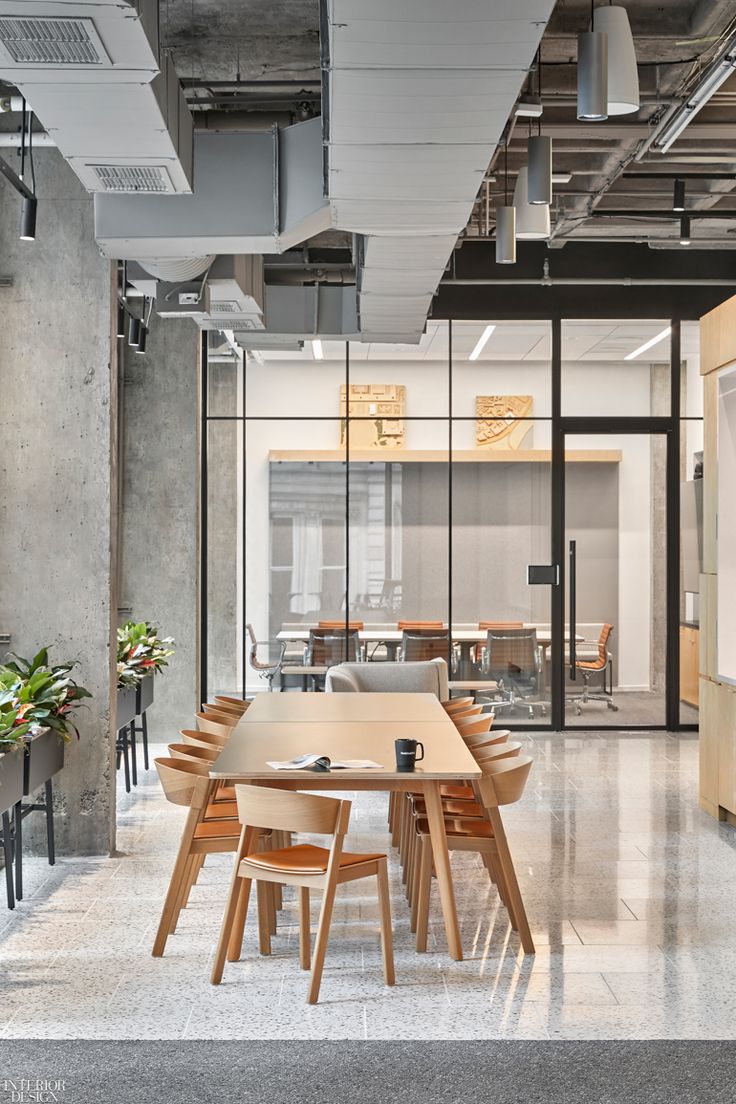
279, 727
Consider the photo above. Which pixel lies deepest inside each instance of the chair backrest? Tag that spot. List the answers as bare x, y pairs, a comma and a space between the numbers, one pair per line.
503, 781
486, 739
219, 724
420, 645
458, 705
194, 754
215, 709
234, 703
500, 625
432, 625
354, 626
467, 713
603, 644
251, 636
184, 783
202, 739
474, 725
484, 753
328, 647
512, 651
286, 811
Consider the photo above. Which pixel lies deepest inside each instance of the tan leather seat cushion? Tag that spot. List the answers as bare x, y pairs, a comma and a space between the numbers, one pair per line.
304, 858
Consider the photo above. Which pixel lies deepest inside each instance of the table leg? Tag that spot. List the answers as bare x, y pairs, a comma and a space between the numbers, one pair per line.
438, 837
466, 664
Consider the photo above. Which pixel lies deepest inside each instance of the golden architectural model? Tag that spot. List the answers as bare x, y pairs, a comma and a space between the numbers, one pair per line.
381, 408
498, 424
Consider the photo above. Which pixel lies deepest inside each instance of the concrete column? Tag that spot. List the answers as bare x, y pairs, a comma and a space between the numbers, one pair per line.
58, 477
159, 536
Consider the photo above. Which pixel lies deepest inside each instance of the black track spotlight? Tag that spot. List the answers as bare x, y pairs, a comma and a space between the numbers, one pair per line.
142, 339
120, 331
685, 230
678, 203
28, 218
134, 331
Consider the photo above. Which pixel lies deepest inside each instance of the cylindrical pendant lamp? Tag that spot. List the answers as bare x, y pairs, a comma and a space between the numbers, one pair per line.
623, 75
28, 210
532, 220
539, 166
592, 76
134, 331
505, 235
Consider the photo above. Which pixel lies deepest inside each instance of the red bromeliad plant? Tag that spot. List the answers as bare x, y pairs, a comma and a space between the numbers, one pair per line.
141, 652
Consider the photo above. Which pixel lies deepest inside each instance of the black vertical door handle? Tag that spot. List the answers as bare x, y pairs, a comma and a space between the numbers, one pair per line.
573, 599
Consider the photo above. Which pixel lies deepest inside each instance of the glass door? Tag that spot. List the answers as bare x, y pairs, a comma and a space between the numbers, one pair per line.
615, 551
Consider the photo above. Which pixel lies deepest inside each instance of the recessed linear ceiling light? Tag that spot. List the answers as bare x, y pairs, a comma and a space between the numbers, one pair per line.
649, 344
317, 352
561, 177
480, 344
528, 107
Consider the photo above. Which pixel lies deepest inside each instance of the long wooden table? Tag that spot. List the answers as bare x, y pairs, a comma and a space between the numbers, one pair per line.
278, 727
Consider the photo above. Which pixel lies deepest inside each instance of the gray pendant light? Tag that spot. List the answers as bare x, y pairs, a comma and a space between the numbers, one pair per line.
532, 220
623, 76
506, 235
592, 73
539, 164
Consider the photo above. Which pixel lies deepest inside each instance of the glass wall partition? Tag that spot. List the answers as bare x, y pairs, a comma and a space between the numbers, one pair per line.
691, 521
385, 502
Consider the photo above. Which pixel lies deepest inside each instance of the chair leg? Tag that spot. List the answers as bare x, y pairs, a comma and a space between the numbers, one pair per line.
235, 942
506, 866
387, 939
423, 891
8, 853
264, 926
183, 894
49, 803
177, 876
305, 932
18, 848
320, 943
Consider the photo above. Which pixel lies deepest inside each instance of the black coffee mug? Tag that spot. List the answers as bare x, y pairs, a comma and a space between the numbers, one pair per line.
406, 754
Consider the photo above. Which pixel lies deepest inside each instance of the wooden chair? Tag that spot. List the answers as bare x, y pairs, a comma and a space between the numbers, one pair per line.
472, 726
203, 739
467, 713
219, 709
457, 705
205, 832
233, 703
352, 626
502, 783
303, 865
487, 739
218, 724
403, 626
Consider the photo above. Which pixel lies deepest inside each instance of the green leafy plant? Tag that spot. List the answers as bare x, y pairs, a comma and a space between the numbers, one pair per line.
12, 725
40, 694
141, 652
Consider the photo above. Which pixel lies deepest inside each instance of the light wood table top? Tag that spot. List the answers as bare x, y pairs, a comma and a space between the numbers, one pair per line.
377, 708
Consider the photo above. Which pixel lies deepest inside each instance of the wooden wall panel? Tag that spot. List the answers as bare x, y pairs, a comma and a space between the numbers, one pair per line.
708, 747
710, 471
708, 593
718, 337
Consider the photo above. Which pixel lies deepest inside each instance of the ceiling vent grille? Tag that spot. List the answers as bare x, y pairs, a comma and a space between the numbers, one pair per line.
152, 179
225, 306
43, 40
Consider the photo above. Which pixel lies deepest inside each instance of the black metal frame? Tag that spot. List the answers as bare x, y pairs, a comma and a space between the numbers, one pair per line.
669, 426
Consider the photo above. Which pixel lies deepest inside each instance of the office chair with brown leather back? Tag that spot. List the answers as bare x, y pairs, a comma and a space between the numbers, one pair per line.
602, 664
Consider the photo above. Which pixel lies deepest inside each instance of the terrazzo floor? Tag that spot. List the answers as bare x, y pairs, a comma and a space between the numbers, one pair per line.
630, 889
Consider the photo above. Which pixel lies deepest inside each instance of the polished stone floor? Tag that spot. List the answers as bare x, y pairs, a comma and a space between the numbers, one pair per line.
630, 889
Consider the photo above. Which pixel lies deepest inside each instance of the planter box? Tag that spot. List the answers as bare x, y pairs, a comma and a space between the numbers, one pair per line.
43, 759
11, 778
144, 693
126, 706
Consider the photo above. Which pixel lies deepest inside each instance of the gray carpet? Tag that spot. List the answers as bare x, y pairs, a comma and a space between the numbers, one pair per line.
302, 1072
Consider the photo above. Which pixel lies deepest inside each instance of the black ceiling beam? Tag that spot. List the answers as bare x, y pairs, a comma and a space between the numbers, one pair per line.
669, 175
11, 175
692, 213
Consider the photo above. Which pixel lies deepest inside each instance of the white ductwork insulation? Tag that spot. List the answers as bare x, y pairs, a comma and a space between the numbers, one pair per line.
178, 270
90, 71
300, 313
416, 94
253, 193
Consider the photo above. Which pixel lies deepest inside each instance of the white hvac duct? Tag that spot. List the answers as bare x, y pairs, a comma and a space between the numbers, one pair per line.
90, 71
416, 94
175, 270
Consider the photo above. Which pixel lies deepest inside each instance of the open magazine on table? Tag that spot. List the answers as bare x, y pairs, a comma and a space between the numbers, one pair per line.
324, 763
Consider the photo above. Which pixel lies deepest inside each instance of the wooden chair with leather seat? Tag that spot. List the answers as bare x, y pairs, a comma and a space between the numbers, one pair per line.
502, 783
214, 709
203, 739
302, 865
457, 705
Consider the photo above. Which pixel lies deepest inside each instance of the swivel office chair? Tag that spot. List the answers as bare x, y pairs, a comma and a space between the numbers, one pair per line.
603, 664
265, 656
513, 659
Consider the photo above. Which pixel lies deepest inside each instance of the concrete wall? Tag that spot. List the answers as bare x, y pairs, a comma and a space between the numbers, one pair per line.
57, 481
158, 537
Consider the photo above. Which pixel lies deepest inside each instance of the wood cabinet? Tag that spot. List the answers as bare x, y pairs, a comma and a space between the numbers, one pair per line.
689, 664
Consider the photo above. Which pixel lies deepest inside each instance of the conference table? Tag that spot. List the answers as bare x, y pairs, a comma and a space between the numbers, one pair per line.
279, 727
